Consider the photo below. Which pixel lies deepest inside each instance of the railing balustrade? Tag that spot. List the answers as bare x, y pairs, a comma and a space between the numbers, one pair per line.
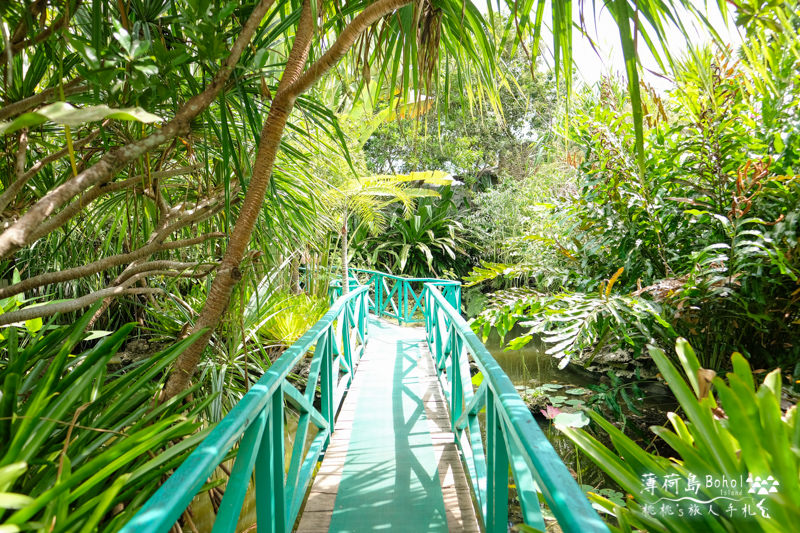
510, 440
257, 424
513, 437
401, 297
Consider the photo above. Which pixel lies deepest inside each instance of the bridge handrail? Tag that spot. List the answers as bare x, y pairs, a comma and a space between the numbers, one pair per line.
257, 422
395, 296
513, 437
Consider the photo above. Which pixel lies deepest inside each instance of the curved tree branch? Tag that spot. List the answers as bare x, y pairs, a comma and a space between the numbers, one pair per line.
76, 206
289, 88
19, 233
73, 86
228, 273
14, 188
22, 154
17, 46
169, 268
68, 305
103, 264
344, 42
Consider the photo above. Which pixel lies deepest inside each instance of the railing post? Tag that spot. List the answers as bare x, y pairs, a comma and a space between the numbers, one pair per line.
453, 295
236, 488
456, 391
378, 295
327, 382
437, 336
447, 349
346, 317
364, 317
426, 314
403, 300
497, 470
270, 470
374, 296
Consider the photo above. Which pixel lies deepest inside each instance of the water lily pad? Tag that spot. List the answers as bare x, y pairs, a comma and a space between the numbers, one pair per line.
557, 400
575, 403
571, 420
580, 391
551, 386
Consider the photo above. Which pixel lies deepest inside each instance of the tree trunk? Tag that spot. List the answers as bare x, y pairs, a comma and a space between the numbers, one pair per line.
293, 83
228, 274
294, 282
345, 270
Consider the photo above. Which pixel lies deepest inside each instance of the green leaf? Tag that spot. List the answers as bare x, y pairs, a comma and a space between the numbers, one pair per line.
525, 528
518, 342
557, 400
9, 473
68, 115
34, 324
708, 437
580, 391
689, 362
9, 500
551, 386
97, 334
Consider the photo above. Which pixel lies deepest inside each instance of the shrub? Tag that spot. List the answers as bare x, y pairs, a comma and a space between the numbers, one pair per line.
741, 434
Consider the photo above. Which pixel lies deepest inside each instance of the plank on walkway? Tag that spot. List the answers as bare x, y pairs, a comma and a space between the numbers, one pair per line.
392, 464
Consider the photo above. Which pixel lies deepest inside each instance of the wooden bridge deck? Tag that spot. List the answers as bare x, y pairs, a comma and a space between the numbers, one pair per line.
392, 464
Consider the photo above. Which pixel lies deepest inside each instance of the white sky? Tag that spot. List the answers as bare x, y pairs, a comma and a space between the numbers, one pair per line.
590, 66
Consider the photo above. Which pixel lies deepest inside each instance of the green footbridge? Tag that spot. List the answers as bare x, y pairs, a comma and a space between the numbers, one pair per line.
392, 434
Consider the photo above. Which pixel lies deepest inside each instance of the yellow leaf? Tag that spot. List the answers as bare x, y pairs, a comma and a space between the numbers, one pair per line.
613, 280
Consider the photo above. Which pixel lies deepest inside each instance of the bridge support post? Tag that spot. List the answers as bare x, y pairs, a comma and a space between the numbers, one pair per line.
236, 488
347, 319
403, 301
456, 387
326, 381
270, 469
497, 475
377, 279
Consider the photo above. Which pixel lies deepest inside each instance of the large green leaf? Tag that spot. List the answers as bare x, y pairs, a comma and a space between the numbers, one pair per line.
69, 115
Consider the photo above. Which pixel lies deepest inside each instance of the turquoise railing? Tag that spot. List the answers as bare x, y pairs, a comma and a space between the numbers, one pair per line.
512, 437
401, 297
257, 424
510, 440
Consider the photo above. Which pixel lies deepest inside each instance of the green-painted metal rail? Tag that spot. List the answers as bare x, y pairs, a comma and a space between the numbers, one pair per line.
513, 440
513, 437
399, 297
257, 424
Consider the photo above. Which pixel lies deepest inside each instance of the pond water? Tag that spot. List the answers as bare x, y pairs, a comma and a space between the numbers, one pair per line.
530, 368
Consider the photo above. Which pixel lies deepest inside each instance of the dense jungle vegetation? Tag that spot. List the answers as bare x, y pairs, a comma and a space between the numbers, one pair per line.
182, 179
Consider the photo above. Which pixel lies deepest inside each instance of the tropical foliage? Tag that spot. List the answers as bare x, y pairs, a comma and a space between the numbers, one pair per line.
740, 434
429, 242
706, 235
80, 445
180, 180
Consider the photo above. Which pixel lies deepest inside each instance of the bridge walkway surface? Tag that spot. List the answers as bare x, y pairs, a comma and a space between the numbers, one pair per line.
392, 463
410, 414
